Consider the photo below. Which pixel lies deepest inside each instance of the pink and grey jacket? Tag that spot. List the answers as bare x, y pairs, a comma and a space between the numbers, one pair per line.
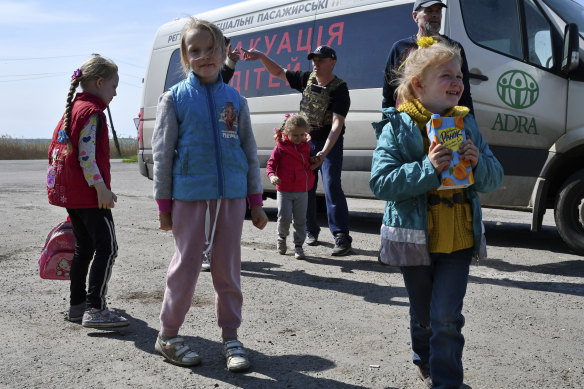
291, 164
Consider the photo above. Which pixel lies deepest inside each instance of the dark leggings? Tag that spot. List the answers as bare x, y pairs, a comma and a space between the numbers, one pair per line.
95, 237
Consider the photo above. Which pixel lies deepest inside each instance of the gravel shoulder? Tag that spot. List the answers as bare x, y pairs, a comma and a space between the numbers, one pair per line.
326, 322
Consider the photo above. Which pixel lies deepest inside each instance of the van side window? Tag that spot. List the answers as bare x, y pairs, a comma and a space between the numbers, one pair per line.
175, 71
539, 36
496, 24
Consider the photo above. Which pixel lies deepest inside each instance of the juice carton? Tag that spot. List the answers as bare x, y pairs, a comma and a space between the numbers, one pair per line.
450, 132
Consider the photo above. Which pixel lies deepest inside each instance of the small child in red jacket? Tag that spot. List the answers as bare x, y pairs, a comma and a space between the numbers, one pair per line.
289, 169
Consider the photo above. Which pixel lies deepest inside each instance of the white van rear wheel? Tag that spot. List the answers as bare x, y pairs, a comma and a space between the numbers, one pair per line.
569, 212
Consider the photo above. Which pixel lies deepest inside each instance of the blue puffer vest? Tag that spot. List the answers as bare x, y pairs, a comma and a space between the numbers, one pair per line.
209, 161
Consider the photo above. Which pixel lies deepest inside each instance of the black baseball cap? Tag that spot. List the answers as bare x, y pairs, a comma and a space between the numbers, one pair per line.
323, 52
427, 3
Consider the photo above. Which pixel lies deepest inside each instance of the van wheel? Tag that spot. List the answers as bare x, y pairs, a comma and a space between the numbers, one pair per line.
569, 212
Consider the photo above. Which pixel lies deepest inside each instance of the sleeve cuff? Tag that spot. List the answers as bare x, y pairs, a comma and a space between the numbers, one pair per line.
164, 205
254, 200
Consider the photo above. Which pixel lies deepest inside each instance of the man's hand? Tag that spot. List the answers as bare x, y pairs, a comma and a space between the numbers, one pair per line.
251, 54
258, 217
316, 160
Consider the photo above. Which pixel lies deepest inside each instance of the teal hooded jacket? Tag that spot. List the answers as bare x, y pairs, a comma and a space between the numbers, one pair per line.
402, 174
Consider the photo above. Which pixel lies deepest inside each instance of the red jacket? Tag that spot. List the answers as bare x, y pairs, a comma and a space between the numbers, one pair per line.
291, 164
66, 185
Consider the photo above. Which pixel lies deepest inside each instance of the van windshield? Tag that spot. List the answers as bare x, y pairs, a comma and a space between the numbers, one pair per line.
570, 11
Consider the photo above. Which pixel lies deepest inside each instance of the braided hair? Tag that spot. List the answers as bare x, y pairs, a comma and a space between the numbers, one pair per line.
94, 68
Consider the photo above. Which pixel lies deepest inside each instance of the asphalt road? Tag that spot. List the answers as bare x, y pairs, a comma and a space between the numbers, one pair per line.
326, 322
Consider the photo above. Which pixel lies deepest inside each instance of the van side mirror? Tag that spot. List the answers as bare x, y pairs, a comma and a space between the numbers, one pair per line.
571, 52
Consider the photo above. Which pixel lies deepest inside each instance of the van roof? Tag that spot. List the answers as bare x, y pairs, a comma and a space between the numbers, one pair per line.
241, 10
255, 14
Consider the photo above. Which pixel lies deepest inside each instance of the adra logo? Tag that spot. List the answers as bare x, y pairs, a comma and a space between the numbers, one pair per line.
517, 89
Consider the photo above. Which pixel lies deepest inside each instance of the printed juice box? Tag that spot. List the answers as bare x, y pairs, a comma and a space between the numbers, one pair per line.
450, 132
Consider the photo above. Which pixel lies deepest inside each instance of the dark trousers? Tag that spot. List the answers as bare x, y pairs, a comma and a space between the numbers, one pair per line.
95, 246
336, 203
436, 293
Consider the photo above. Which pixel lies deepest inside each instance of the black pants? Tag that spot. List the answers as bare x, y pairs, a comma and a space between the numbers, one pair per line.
95, 240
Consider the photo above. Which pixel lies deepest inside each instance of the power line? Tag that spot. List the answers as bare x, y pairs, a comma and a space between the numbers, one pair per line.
65, 56
31, 78
126, 83
37, 58
30, 74
127, 63
127, 75
38, 77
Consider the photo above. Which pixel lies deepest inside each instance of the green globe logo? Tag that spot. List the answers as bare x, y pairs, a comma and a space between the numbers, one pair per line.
517, 89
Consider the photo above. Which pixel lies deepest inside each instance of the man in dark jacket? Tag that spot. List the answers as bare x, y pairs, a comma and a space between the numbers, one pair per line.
428, 16
325, 101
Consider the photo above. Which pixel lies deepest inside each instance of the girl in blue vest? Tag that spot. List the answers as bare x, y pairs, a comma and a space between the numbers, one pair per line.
78, 179
205, 166
432, 235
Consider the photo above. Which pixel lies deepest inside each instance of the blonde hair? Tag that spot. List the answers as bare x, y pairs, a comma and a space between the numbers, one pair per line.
419, 62
291, 122
216, 36
94, 68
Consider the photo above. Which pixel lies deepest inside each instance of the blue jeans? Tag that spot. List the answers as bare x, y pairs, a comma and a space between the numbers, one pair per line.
436, 293
336, 203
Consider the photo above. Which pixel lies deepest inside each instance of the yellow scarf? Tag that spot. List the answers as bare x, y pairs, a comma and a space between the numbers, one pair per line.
449, 228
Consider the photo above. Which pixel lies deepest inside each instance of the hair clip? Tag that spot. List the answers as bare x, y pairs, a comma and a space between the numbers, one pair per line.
63, 137
76, 74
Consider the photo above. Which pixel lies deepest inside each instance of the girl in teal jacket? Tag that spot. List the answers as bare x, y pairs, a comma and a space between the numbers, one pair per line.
432, 235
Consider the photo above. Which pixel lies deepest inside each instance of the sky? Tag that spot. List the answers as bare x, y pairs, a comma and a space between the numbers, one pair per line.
43, 42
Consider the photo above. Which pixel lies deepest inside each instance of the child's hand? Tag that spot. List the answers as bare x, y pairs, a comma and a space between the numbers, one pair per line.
165, 221
106, 199
233, 55
316, 160
440, 156
275, 180
469, 152
258, 217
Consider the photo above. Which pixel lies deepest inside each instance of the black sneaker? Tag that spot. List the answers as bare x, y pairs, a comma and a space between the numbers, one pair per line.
311, 239
342, 245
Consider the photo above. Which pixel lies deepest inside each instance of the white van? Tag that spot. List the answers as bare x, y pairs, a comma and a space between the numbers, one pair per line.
527, 85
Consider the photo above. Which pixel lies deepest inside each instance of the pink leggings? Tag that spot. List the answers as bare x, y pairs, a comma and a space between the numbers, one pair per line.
188, 228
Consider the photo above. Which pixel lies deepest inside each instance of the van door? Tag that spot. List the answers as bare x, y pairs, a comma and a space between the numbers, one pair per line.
518, 91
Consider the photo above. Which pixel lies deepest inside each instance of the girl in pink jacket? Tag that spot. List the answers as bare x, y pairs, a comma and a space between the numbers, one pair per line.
289, 169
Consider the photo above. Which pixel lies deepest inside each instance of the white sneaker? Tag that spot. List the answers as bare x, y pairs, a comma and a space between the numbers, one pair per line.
299, 253
206, 264
282, 246
235, 355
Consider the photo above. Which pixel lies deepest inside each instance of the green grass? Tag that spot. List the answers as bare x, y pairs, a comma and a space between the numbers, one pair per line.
133, 158
13, 148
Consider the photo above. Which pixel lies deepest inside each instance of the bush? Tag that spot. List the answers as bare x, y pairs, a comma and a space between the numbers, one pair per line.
12, 148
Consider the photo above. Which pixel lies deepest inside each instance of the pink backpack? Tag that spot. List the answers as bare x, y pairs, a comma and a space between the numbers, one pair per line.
57, 253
